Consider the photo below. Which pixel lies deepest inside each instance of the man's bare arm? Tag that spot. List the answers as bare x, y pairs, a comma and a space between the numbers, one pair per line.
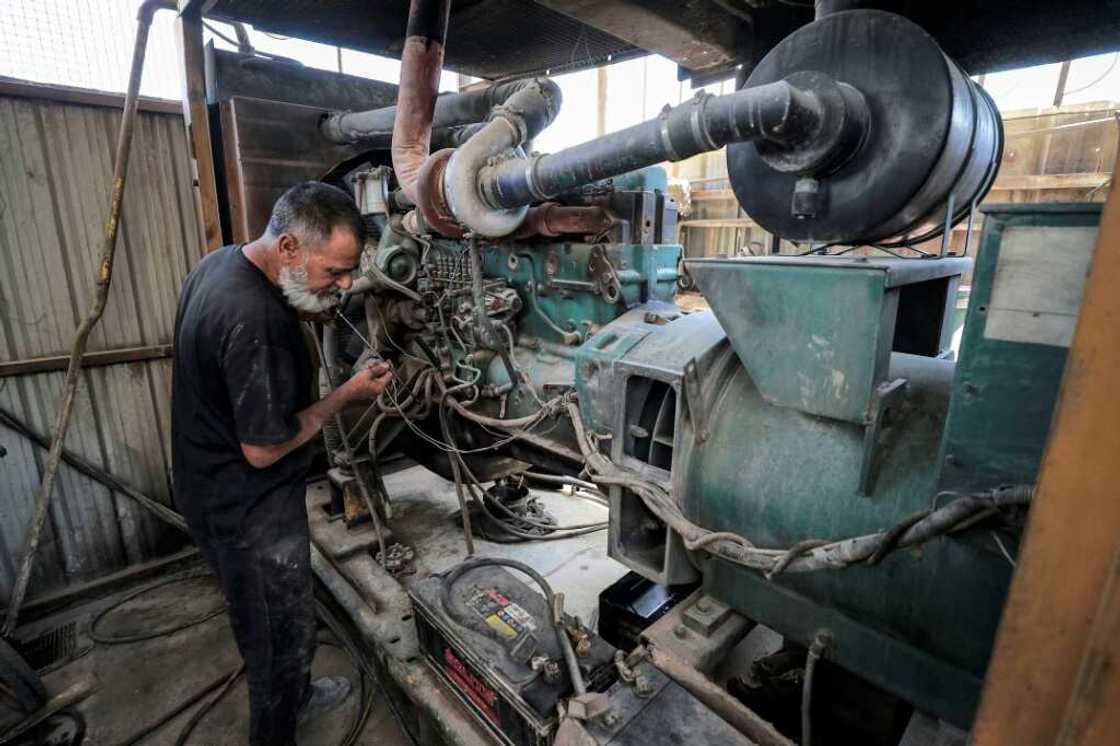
365, 384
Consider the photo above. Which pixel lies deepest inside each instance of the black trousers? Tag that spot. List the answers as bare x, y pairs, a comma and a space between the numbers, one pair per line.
265, 574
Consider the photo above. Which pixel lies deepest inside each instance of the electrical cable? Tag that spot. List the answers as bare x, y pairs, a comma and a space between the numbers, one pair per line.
821, 641
809, 555
480, 497
1111, 67
561, 479
363, 488
182, 707
105, 639
203, 711
339, 630
225, 682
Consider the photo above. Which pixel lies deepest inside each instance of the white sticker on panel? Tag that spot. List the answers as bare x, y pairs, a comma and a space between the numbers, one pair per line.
1039, 281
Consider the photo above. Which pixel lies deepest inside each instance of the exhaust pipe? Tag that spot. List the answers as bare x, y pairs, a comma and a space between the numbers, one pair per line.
421, 65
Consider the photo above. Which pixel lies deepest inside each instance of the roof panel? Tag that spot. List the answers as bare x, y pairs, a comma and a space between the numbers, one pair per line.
529, 38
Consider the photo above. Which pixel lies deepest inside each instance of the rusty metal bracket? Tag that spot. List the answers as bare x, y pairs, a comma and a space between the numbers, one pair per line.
885, 396
694, 395
606, 276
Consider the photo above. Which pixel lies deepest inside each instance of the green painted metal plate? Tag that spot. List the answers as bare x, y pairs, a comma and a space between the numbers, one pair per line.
814, 333
1026, 291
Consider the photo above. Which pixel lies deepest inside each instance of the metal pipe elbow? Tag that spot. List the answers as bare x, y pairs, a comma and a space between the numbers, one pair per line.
461, 182
521, 117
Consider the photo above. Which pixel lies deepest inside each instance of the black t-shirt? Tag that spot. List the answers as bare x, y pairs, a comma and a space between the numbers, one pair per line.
242, 372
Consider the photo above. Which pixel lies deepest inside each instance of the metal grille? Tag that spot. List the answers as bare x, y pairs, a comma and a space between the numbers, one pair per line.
85, 43
49, 648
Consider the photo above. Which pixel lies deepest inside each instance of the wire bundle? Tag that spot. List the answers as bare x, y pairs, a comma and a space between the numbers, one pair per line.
812, 554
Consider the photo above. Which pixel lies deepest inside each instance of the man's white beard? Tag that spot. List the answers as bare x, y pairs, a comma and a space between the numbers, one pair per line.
293, 282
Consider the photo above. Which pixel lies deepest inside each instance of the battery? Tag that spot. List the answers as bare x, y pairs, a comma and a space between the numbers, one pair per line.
490, 639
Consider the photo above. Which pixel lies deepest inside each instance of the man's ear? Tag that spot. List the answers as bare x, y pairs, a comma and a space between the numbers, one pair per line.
289, 248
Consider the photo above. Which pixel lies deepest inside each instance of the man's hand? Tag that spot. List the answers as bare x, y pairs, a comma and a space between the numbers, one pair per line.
370, 381
367, 383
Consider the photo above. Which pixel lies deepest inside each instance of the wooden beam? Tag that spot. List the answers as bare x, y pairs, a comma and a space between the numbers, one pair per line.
15, 88
89, 360
1090, 180
701, 195
1063, 78
718, 223
40, 607
235, 176
1052, 670
601, 102
196, 117
1051, 181
1086, 721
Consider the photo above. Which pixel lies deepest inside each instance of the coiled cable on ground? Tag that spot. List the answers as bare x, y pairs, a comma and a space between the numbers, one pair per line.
106, 639
225, 682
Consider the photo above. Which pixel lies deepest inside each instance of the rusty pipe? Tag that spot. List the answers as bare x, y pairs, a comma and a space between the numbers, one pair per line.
101, 296
551, 220
421, 65
717, 699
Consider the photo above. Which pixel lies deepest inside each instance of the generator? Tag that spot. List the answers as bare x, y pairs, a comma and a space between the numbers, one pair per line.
527, 303
813, 453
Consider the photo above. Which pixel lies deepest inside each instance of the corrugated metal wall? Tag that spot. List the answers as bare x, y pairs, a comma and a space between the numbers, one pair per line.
55, 172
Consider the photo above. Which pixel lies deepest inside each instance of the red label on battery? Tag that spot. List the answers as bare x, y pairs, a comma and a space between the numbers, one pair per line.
482, 696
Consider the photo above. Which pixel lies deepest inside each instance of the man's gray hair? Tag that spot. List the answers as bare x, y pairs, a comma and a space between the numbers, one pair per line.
313, 209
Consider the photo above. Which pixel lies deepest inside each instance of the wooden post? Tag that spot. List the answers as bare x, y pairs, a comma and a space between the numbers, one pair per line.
197, 122
1063, 77
1053, 677
601, 103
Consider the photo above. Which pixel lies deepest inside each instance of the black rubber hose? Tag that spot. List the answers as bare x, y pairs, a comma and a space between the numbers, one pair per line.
123, 639
182, 707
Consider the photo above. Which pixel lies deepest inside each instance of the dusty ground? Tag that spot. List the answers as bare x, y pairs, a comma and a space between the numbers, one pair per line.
141, 681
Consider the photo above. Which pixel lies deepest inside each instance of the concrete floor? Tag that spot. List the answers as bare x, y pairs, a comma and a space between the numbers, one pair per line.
141, 681
424, 510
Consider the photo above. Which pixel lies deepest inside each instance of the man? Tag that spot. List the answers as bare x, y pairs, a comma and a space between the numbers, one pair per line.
241, 415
